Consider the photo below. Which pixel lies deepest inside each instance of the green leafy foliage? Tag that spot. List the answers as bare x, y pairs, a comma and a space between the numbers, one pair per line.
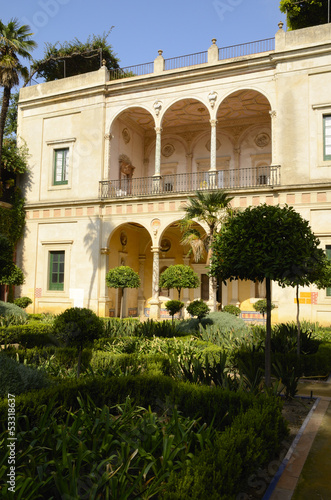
151, 328
77, 327
304, 13
173, 307
261, 306
17, 378
8, 309
232, 309
75, 57
23, 302
122, 277
198, 308
179, 276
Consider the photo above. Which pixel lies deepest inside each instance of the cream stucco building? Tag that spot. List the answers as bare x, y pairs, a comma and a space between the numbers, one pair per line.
114, 157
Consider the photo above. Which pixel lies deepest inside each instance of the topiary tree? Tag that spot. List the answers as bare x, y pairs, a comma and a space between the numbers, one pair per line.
198, 308
173, 307
122, 277
261, 306
78, 327
271, 243
179, 276
232, 309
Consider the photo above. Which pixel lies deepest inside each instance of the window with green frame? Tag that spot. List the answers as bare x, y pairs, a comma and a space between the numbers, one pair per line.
328, 254
56, 270
327, 136
61, 166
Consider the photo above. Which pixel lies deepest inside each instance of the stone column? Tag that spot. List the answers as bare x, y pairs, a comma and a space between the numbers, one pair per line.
273, 116
212, 303
141, 298
103, 290
186, 292
213, 169
157, 174
235, 293
155, 303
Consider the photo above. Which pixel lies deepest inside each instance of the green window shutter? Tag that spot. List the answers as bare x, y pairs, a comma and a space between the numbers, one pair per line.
328, 254
61, 166
327, 137
56, 270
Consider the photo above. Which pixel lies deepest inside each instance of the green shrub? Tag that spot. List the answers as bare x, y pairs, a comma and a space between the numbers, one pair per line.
198, 308
17, 378
139, 447
150, 328
227, 322
23, 302
232, 309
11, 314
29, 335
160, 392
116, 327
221, 471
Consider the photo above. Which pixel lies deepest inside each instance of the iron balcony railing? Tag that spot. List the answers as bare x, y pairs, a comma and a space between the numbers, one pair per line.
230, 52
185, 183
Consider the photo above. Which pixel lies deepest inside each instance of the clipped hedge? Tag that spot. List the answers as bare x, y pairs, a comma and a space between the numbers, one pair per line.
222, 471
67, 356
160, 392
30, 335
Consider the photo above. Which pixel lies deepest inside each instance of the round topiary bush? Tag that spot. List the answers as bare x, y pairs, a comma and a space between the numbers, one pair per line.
232, 309
198, 308
78, 327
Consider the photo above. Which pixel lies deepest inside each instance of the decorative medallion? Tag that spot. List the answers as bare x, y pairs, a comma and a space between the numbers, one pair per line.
123, 238
157, 106
165, 245
126, 135
168, 150
262, 140
208, 144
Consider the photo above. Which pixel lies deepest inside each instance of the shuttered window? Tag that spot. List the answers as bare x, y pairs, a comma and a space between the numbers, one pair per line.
328, 254
61, 166
56, 270
327, 137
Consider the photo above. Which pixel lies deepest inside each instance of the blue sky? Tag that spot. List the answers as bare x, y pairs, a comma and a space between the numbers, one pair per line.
142, 27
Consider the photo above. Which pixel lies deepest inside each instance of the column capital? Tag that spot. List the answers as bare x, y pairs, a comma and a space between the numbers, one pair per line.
213, 122
273, 113
158, 130
155, 249
104, 251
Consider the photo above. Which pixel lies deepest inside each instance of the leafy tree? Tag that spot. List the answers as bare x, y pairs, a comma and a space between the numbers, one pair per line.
211, 208
179, 276
122, 277
15, 42
304, 13
78, 327
173, 307
271, 243
23, 302
75, 58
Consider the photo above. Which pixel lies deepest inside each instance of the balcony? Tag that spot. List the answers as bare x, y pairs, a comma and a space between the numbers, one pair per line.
167, 185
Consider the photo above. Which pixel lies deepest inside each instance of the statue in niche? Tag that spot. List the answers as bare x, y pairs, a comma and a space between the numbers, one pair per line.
126, 170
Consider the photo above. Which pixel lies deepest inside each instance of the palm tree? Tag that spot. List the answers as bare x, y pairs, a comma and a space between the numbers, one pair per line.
210, 208
15, 42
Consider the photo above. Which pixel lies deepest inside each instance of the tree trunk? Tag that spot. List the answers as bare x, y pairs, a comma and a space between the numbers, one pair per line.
268, 336
298, 324
79, 362
121, 306
3, 115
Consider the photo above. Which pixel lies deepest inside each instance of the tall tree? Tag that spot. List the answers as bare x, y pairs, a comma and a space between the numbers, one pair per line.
75, 58
211, 208
179, 276
305, 13
15, 42
271, 243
